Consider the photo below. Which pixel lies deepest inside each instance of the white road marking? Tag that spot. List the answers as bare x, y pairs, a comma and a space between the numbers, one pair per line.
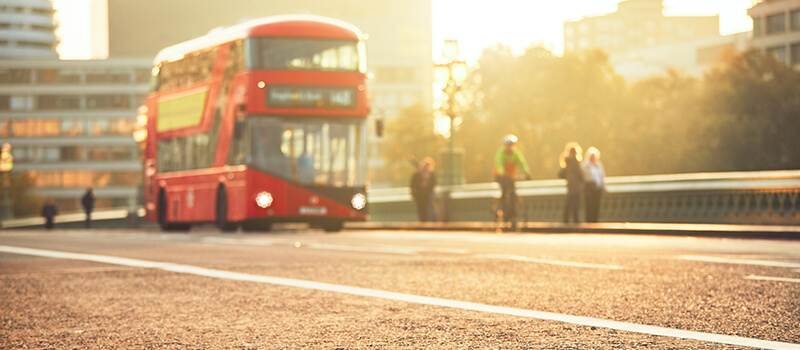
739, 261
348, 248
551, 262
233, 241
776, 279
578, 320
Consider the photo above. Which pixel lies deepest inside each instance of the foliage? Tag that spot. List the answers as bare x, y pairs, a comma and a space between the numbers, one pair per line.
743, 115
755, 101
545, 100
23, 202
408, 135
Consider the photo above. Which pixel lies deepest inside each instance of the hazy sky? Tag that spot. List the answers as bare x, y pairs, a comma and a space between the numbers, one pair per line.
475, 23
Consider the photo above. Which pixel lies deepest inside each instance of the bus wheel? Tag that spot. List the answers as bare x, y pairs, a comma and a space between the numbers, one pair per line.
162, 216
332, 227
222, 212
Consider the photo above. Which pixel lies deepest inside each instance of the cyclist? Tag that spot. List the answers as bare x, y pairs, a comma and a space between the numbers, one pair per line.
506, 161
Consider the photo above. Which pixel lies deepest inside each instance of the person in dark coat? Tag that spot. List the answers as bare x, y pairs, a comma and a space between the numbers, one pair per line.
571, 171
422, 186
88, 205
49, 212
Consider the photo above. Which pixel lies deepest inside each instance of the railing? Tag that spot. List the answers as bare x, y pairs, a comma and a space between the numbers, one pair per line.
751, 198
108, 218
766, 197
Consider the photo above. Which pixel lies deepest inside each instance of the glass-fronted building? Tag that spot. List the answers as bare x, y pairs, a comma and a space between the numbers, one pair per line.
70, 124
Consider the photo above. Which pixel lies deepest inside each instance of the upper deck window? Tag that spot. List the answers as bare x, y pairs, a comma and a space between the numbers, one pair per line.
307, 54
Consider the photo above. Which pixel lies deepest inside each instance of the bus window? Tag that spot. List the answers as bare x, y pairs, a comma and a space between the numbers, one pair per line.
306, 54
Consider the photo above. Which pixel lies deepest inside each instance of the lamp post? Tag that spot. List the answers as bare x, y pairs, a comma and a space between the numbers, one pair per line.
452, 72
6, 164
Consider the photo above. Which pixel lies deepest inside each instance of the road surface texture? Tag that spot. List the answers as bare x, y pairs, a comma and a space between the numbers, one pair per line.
293, 289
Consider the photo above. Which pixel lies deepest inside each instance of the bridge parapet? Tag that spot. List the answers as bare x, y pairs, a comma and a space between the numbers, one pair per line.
765, 197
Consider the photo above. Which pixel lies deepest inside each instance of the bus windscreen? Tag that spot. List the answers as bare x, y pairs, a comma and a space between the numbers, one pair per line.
313, 152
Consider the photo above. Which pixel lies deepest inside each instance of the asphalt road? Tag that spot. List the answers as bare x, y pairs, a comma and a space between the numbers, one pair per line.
296, 289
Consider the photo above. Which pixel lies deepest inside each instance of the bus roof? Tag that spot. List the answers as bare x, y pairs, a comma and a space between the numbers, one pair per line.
286, 26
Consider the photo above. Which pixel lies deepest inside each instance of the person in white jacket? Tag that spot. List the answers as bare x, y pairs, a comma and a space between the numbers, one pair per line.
594, 183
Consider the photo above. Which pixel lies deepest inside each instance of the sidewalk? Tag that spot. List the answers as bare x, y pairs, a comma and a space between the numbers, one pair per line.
715, 230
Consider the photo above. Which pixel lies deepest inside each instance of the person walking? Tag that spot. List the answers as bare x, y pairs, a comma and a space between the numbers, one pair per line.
506, 161
571, 171
49, 212
88, 205
595, 183
422, 186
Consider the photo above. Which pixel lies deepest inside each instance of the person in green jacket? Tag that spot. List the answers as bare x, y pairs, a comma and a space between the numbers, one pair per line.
507, 161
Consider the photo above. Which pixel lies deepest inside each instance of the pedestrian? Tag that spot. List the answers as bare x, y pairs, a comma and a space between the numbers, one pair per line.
571, 171
88, 205
49, 212
595, 183
422, 186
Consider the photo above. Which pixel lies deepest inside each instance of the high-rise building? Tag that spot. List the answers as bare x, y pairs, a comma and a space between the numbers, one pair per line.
776, 29
27, 29
399, 48
70, 124
636, 24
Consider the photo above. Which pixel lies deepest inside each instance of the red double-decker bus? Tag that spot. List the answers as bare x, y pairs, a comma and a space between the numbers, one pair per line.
260, 123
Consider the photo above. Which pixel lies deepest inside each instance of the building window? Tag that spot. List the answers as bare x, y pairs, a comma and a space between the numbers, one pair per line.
395, 74
33, 127
85, 178
15, 76
5, 102
103, 77
46, 102
107, 102
57, 76
776, 23
796, 53
758, 26
779, 52
795, 20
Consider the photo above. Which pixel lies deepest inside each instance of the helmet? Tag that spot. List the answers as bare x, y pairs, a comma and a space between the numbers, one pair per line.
509, 139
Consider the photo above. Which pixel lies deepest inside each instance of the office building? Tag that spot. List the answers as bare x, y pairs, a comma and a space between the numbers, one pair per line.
27, 29
70, 124
637, 24
776, 29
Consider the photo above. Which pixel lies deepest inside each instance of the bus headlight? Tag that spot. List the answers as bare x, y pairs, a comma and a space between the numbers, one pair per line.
264, 200
359, 201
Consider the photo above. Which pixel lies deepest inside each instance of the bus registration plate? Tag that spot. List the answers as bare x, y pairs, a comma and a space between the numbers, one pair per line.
313, 210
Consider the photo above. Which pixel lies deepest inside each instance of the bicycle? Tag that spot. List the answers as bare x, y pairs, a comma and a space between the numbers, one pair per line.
505, 207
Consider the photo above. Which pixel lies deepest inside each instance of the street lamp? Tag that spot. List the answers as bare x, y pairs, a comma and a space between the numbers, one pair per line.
451, 71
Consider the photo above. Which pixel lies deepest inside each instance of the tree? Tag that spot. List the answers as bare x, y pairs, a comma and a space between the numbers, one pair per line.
24, 202
410, 134
755, 101
544, 99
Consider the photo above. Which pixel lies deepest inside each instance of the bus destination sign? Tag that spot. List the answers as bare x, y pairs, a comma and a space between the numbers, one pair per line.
311, 97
